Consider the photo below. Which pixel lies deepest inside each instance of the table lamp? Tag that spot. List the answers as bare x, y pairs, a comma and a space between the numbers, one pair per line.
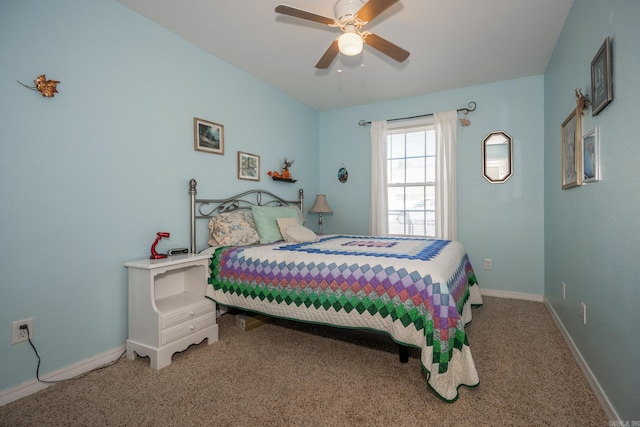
320, 206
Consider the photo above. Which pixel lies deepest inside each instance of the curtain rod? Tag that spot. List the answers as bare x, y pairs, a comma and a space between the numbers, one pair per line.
470, 107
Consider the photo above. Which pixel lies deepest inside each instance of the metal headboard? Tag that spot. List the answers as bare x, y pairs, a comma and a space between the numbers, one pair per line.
206, 208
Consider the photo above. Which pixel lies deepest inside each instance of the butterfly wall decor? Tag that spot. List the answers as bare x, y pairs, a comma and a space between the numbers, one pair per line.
46, 87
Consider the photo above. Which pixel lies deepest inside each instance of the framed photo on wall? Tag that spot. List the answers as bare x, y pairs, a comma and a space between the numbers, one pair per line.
248, 166
571, 151
601, 87
591, 156
208, 136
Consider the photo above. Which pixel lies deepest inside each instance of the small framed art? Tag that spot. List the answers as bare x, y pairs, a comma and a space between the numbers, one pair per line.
248, 166
601, 87
591, 156
208, 136
571, 151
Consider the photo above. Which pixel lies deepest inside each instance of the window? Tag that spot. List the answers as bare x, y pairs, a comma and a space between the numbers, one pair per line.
411, 180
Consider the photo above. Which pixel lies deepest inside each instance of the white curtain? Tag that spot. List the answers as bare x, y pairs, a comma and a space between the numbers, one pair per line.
446, 206
378, 221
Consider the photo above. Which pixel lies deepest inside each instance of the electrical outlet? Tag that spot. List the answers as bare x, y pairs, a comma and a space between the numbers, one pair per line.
21, 335
564, 291
583, 312
488, 264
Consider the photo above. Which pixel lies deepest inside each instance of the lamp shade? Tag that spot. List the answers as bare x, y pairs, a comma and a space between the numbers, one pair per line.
350, 44
321, 205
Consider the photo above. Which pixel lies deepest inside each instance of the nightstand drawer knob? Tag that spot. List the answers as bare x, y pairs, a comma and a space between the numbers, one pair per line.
192, 313
192, 327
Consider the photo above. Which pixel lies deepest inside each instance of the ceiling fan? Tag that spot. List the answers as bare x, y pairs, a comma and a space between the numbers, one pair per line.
351, 16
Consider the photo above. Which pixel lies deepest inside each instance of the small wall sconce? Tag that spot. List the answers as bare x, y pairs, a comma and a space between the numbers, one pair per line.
46, 87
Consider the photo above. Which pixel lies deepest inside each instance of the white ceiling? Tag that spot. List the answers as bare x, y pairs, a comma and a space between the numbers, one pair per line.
453, 44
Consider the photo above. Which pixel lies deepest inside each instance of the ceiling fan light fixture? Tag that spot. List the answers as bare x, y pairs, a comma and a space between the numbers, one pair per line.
350, 17
350, 44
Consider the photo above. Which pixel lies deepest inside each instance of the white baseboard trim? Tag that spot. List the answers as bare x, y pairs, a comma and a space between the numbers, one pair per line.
591, 379
512, 295
33, 386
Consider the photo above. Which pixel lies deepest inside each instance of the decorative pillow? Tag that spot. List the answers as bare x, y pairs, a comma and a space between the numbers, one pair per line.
266, 224
284, 223
299, 234
235, 228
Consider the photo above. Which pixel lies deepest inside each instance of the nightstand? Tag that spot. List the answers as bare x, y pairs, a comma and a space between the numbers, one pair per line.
168, 310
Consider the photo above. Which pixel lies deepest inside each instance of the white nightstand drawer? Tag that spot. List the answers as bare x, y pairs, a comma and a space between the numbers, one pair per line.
168, 310
202, 306
186, 328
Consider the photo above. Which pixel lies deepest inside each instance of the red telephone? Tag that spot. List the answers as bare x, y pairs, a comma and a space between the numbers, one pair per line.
154, 254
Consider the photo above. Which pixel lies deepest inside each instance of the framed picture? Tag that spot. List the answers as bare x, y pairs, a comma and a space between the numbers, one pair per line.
248, 166
208, 136
601, 88
591, 156
571, 151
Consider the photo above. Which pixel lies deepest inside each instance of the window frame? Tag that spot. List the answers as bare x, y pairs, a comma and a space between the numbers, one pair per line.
428, 214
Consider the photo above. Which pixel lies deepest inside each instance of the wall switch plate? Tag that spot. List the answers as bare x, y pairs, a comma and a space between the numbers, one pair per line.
488, 264
583, 312
564, 291
21, 335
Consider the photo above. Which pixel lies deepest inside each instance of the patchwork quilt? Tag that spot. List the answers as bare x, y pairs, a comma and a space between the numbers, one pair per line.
419, 291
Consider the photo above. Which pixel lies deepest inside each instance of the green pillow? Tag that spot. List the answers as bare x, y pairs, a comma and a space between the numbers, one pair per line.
266, 224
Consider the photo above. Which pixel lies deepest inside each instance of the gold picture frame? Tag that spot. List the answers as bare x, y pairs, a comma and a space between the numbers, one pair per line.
248, 166
208, 136
572, 151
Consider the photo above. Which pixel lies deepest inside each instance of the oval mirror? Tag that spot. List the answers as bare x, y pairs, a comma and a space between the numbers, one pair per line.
497, 157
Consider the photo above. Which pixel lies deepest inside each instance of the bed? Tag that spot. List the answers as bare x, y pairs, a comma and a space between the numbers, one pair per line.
418, 291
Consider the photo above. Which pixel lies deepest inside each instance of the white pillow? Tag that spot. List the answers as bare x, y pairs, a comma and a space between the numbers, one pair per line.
299, 234
284, 223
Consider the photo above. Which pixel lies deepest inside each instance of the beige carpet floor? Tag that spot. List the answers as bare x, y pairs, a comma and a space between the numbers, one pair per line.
287, 374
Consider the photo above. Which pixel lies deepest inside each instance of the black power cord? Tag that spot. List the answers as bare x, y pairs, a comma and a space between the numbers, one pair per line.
67, 379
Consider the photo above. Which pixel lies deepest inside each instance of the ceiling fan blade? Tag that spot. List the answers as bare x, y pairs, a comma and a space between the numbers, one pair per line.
328, 56
303, 14
373, 8
386, 47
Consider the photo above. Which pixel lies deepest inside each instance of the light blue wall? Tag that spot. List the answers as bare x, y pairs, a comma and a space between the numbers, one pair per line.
88, 177
493, 219
592, 233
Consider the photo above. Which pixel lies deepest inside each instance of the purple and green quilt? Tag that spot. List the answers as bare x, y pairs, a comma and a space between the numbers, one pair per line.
419, 291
